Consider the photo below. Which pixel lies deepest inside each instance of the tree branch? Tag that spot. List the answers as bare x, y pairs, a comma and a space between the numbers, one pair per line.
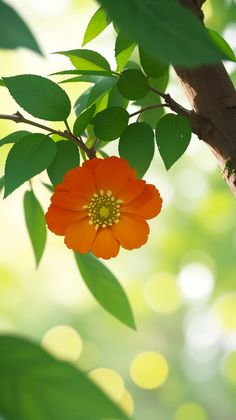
19, 118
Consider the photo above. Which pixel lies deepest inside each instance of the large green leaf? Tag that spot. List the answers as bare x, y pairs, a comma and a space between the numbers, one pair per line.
83, 120
166, 30
35, 222
110, 123
27, 158
98, 22
14, 32
86, 59
133, 84
35, 386
151, 66
39, 96
173, 134
67, 157
137, 146
14, 137
105, 288
123, 50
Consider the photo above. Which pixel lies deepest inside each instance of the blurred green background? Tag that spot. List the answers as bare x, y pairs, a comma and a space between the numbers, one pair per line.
182, 284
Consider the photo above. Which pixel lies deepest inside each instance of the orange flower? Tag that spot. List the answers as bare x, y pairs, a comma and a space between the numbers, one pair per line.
101, 206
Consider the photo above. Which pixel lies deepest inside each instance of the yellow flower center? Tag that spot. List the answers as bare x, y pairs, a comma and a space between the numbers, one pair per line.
103, 209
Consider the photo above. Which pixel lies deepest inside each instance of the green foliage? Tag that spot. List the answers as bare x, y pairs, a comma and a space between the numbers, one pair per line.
27, 158
83, 120
110, 123
14, 32
13, 137
67, 157
137, 146
2, 183
47, 388
166, 30
133, 84
173, 134
39, 96
87, 60
96, 25
222, 44
35, 222
123, 50
116, 99
105, 288
151, 66
85, 72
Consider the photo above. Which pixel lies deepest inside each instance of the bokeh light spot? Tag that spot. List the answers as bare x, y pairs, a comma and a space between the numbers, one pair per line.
63, 342
225, 310
196, 282
230, 367
162, 293
149, 370
126, 403
109, 381
190, 411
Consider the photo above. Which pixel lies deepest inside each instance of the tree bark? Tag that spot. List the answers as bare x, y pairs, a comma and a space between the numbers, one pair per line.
213, 96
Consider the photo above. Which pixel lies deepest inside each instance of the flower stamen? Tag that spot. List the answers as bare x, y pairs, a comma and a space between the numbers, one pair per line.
103, 209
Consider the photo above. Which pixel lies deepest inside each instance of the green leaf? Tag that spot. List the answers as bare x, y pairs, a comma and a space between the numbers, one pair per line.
110, 123
102, 86
2, 83
123, 50
39, 96
152, 116
86, 60
27, 158
105, 288
152, 66
173, 135
133, 84
2, 183
85, 72
166, 30
35, 222
137, 146
81, 102
46, 388
222, 44
48, 186
83, 120
14, 137
85, 78
67, 157
98, 22
14, 32
116, 99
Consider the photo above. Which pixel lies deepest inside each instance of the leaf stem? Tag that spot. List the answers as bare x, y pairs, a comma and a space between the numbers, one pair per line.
19, 118
147, 108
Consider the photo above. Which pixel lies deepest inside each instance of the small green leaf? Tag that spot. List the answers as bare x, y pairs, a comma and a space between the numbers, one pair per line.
13, 137
2, 83
84, 72
110, 123
48, 186
173, 134
132, 84
101, 87
123, 50
98, 22
47, 388
105, 288
84, 78
2, 183
116, 99
67, 157
137, 146
222, 44
81, 102
151, 66
39, 96
86, 60
35, 222
27, 158
83, 120
14, 32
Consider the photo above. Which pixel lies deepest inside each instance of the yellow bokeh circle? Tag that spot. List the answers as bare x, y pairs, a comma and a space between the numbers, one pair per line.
230, 367
225, 310
149, 370
190, 411
63, 342
109, 381
126, 403
162, 293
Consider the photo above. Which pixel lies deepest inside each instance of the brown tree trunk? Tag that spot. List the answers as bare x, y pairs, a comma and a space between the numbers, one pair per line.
212, 95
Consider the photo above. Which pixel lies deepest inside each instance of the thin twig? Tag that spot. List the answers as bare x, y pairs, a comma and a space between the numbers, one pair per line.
147, 108
18, 118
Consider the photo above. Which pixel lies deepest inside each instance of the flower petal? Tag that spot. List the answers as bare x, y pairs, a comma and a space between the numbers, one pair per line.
79, 180
131, 231
80, 235
112, 174
131, 190
148, 204
105, 245
68, 200
59, 219
91, 164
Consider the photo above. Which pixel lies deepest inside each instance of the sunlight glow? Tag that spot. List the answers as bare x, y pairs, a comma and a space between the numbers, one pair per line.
196, 282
